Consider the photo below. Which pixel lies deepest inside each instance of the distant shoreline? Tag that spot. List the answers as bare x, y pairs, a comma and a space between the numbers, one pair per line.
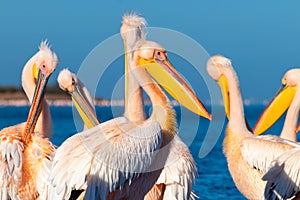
61, 99
67, 102
57, 99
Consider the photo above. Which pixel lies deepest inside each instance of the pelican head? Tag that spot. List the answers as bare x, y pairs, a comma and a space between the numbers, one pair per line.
153, 58
45, 62
132, 28
291, 78
66, 80
69, 82
280, 103
217, 66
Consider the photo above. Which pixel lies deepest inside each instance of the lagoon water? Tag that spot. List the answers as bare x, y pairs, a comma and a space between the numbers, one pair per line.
213, 179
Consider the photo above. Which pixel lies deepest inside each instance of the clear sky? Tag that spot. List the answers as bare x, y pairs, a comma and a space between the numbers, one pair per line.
260, 37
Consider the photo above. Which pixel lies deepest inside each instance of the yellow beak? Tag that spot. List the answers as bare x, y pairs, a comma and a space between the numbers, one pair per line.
166, 75
275, 109
83, 107
36, 105
35, 71
223, 83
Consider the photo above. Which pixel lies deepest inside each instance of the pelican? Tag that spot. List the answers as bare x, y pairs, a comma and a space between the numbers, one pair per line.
287, 98
81, 97
168, 185
177, 177
248, 156
105, 158
283, 179
26, 153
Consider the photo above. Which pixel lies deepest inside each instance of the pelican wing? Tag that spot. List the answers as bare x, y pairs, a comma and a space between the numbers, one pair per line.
170, 176
179, 172
37, 157
13, 157
70, 165
260, 151
11, 160
10, 168
12, 147
4, 183
283, 177
102, 159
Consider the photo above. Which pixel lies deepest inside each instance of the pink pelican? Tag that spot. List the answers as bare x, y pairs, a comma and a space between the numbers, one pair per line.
26, 153
177, 176
248, 156
283, 179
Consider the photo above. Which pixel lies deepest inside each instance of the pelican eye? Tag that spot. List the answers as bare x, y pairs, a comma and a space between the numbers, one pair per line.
284, 81
159, 55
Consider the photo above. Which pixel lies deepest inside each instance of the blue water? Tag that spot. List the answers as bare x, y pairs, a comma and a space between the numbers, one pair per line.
213, 179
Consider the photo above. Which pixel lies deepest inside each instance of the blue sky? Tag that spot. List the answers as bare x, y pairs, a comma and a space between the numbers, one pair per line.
260, 37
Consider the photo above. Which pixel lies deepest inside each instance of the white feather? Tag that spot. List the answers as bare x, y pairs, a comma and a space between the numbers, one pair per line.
103, 158
133, 29
179, 172
260, 151
283, 177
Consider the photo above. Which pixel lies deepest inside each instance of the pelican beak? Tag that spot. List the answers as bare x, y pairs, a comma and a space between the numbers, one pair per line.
83, 107
166, 75
36, 105
223, 83
278, 105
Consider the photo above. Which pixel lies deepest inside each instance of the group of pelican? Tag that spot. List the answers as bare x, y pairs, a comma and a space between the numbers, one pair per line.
128, 157
262, 167
132, 157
